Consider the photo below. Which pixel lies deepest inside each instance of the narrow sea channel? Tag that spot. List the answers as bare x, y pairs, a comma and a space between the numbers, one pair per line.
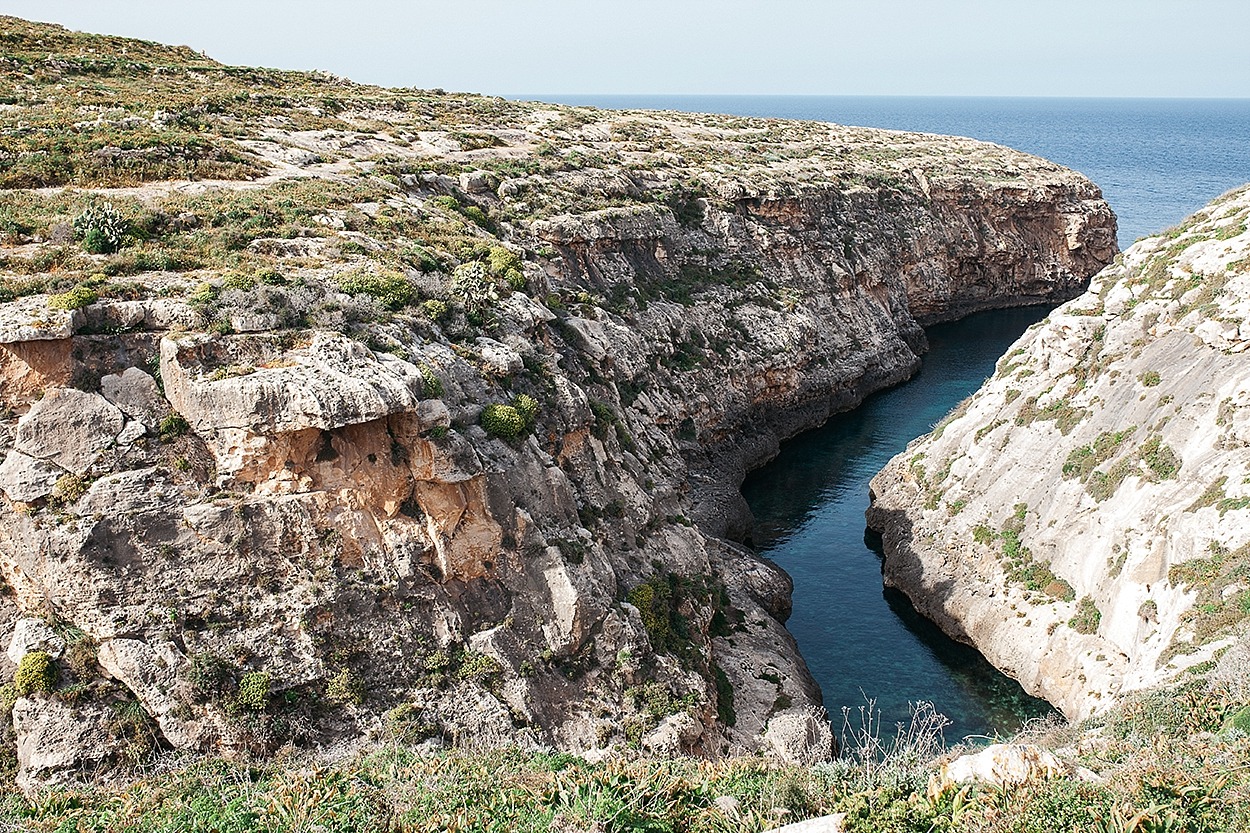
860, 640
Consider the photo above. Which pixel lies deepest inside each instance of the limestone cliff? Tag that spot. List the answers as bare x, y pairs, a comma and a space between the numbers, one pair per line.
423, 419
1081, 519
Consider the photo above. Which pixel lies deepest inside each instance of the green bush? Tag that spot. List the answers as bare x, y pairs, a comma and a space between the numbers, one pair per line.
101, 228
253, 691
392, 289
36, 672
77, 298
173, 426
503, 421
345, 687
527, 407
435, 309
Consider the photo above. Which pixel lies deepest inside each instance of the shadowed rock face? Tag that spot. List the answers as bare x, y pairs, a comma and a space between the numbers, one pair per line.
324, 507
1082, 518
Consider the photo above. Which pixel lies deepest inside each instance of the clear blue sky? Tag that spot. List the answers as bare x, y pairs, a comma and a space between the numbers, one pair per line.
837, 47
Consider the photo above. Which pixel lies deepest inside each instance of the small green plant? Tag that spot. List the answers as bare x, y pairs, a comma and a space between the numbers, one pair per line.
435, 309
345, 687
527, 407
36, 672
392, 289
1149, 378
253, 693
173, 426
503, 421
1087, 616
79, 297
68, 489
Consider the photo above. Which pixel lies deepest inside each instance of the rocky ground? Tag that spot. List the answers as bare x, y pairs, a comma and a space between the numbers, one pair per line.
341, 413
1082, 518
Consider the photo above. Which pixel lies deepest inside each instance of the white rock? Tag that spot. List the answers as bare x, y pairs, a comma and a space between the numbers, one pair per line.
674, 735
835, 823
800, 737
134, 431
34, 635
1002, 764
150, 675
69, 427
26, 478
54, 740
500, 357
31, 319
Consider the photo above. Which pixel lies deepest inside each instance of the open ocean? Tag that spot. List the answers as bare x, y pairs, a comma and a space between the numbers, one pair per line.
1156, 160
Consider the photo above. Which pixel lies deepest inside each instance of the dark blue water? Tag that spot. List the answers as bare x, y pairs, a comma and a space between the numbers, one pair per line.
1157, 160
809, 508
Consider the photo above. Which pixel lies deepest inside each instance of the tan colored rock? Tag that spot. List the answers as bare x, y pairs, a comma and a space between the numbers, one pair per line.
151, 675
69, 428
999, 765
55, 741
27, 368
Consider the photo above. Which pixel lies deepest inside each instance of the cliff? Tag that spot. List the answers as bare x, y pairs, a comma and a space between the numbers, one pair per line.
1081, 519
335, 412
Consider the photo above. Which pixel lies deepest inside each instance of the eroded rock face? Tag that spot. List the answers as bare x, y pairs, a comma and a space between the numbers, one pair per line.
335, 520
1081, 519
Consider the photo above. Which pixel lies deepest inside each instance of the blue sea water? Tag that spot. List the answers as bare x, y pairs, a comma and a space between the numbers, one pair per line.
1156, 160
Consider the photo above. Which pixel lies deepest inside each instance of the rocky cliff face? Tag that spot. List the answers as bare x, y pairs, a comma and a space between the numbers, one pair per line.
1081, 519
435, 429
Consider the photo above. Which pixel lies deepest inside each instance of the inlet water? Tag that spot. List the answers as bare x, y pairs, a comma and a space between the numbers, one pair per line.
859, 640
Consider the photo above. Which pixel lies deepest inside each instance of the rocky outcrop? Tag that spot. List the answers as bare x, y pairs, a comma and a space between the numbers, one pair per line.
1081, 519
281, 506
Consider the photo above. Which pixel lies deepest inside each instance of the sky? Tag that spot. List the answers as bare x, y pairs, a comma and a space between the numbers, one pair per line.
1153, 48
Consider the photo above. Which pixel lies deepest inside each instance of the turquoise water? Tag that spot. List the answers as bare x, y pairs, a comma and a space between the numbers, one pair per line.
860, 641
1156, 160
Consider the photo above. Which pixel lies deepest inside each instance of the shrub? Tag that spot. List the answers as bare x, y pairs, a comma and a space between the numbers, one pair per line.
173, 426
101, 228
77, 298
527, 407
392, 289
503, 421
36, 672
346, 687
1087, 616
253, 691
473, 287
435, 309
69, 488
1150, 378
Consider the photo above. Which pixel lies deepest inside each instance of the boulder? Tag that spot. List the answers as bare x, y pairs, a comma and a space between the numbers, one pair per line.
70, 428
835, 823
999, 765
55, 740
151, 674
136, 394
25, 478
34, 635
674, 735
801, 737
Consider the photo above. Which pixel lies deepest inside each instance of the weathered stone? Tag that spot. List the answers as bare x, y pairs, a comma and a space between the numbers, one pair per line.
1000, 765
834, 823
34, 635
70, 428
675, 735
801, 736
55, 740
136, 394
499, 357
151, 675
31, 319
27, 478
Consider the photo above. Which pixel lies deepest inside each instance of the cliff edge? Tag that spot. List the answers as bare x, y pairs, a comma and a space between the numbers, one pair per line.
1082, 518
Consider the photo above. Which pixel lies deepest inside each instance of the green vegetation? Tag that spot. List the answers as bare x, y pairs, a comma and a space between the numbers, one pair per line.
173, 426
253, 693
1087, 616
79, 297
36, 672
390, 288
503, 421
1149, 378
